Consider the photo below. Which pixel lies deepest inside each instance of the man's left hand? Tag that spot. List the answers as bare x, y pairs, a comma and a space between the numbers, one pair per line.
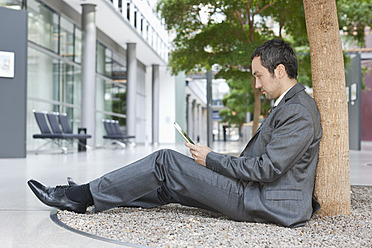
199, 152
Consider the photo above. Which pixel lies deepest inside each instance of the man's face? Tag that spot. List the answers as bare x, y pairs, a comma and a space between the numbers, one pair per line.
267, 82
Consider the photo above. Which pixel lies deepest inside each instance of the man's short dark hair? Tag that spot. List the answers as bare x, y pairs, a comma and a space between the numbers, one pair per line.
275, 52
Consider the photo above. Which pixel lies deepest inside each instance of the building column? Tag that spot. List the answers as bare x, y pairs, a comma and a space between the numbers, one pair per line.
188, 114
131, 88
155, 104
189, 117
193, 120
209, 109
195, 117
88, 71
204, 124
200, 123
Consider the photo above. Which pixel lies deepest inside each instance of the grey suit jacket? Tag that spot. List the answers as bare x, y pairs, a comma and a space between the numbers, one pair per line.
279, 162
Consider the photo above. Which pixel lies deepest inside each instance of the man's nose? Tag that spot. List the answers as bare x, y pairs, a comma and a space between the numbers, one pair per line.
258, 85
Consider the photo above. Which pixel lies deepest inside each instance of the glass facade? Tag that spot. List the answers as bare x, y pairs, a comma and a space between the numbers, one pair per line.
54, 73
43, 26
66, 38
13, 4
110, 89
55, 45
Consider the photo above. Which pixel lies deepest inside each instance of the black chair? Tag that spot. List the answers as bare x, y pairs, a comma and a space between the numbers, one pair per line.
53, 121
68, 130
64, 123
115, 135
55, 134
46, 133
82, 137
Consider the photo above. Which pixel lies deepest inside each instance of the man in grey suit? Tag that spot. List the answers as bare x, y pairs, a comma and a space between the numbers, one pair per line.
272, 181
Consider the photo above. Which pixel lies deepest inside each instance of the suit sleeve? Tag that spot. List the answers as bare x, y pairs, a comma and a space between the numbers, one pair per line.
289, 135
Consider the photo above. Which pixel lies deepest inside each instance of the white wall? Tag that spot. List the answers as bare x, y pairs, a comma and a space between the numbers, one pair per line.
148, 130
167, 106
141, 105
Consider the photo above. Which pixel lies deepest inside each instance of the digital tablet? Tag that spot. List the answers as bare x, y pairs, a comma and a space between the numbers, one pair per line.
183, 133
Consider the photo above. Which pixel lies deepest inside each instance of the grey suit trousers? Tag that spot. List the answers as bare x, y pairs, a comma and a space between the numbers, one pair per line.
167, 176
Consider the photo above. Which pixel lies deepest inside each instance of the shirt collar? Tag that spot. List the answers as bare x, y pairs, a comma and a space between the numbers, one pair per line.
281, 97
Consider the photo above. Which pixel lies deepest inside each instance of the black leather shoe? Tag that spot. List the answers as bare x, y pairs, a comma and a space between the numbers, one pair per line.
71, 182
55, 197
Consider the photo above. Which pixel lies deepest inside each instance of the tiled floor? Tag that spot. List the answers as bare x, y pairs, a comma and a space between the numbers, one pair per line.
25, 221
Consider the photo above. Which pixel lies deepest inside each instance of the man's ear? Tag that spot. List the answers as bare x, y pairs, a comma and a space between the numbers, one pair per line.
280, 71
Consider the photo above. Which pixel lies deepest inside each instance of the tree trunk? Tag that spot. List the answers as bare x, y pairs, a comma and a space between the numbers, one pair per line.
332, 186
257, 106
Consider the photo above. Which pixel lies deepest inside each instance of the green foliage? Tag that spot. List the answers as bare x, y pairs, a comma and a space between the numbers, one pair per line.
239, 102
120, 106
229, 31
289, 15
220, 36
353, 17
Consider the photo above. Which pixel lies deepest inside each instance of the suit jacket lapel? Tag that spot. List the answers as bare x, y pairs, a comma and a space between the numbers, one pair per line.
295, 89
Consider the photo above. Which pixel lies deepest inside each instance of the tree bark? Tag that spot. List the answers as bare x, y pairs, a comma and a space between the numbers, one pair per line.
332, 186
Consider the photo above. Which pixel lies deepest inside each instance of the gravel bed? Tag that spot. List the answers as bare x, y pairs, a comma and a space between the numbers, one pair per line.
174, 225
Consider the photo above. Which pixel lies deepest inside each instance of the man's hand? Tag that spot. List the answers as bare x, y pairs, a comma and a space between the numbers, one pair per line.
199, 152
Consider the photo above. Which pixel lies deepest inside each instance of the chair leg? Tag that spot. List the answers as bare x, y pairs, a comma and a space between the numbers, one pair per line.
58, 143
121, 144
115, 143
39, 148
130, 143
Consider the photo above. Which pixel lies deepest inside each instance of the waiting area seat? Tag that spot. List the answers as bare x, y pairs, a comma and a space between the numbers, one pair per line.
53, 131
115, 135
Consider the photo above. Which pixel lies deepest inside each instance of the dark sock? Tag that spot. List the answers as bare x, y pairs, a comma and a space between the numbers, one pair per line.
80, 193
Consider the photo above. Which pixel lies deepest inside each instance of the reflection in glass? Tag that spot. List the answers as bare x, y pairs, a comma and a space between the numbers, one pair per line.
42, 76
12, 4
104, 60
71, 84
78, 46
43, 25
66, 39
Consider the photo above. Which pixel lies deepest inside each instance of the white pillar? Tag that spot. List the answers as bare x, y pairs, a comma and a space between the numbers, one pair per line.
188, 112
200, 123
144, 31
88, 71
132, 88
155, 104
124, 9
209, 109
131, 13
139, 17
115, 3
193, 124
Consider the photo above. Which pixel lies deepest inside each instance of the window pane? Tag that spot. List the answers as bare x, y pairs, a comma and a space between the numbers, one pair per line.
13, 4
78, 45
100, 58
111, 97
118, 98
108, 62
42, 75
71, 84
119, 73
104, 60
67, 39
42, 25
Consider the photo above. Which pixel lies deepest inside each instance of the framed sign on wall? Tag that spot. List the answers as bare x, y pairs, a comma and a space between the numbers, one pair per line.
6, 64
